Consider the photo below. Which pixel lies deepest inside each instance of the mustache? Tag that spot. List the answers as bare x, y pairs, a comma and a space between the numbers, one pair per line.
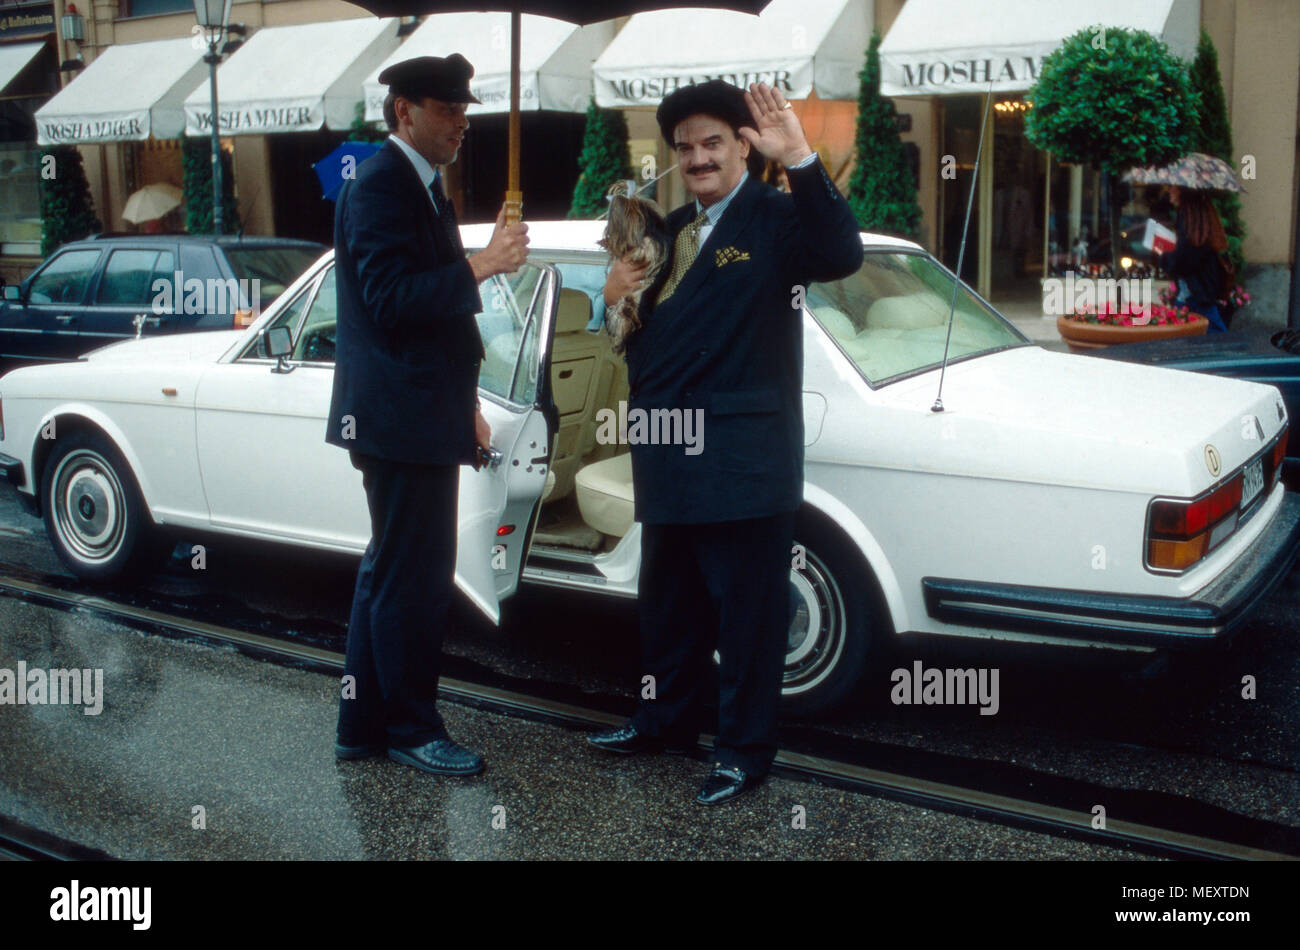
696, 169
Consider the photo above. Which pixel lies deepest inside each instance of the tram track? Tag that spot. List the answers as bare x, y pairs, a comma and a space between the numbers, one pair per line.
1061, 806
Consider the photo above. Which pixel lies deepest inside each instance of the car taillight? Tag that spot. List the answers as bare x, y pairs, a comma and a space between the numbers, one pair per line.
1183, 532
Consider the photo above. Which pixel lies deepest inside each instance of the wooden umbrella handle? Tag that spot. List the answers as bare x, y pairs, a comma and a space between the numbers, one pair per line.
514, 196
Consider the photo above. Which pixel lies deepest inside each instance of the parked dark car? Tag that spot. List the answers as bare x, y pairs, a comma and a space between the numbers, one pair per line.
107, 288
1261, 356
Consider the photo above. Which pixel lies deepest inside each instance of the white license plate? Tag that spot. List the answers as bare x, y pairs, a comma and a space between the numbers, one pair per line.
1252, 482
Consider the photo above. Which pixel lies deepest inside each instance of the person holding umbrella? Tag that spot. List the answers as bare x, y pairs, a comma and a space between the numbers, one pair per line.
1199, 260
404, 406
724, 337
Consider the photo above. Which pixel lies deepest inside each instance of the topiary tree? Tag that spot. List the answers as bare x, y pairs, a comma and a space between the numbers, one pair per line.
1113, 98
196, 157
362, 131
67, 211
882, 189
1213, 136
603, 160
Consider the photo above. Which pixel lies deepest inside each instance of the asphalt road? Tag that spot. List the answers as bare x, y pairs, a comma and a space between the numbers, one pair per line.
1183, 729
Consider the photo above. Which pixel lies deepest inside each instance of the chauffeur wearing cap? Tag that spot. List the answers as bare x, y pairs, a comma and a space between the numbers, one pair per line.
725, 335
404, 405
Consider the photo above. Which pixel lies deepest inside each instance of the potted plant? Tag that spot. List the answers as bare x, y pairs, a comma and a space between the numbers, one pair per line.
1105, 324
1112, 98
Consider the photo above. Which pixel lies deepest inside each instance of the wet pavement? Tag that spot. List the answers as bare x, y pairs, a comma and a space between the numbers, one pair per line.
192, 725
187, 726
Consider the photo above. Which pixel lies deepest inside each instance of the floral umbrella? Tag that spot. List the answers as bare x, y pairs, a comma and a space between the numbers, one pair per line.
1195, 170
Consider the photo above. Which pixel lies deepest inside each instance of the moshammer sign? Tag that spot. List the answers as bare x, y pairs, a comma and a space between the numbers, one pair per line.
909, 73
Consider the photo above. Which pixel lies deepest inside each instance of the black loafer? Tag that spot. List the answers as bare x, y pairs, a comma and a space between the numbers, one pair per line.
357, 751
724, 783
440, 757
628, 740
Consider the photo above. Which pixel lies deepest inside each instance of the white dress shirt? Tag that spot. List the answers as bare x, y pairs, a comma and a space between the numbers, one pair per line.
422, 167
714, 211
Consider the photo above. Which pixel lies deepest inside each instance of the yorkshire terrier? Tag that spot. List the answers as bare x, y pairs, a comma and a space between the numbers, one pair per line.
636, 232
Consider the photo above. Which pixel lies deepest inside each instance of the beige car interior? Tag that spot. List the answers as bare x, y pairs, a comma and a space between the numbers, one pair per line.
587, 503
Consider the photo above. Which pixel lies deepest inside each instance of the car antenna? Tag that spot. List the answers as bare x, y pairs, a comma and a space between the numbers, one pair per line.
961, 254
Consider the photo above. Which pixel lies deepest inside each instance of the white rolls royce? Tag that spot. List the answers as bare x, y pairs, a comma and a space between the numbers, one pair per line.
1055, 499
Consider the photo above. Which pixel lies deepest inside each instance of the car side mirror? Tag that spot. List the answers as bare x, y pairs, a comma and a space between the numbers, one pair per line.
13, 292
278, 343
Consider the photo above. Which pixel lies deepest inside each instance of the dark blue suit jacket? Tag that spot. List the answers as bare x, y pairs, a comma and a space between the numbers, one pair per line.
407, 348
729, 342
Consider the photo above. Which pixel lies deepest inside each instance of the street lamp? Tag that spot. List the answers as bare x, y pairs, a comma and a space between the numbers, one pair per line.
214, 18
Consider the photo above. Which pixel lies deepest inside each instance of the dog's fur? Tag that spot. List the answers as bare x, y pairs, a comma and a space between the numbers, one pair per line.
637, 232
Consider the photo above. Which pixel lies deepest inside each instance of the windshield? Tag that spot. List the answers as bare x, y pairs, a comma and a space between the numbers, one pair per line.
275, 268
891, 317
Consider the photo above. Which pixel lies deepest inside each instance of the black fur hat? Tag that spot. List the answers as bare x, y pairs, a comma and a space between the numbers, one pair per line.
716, 98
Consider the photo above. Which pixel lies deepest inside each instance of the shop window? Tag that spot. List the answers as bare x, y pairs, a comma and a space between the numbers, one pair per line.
20, 160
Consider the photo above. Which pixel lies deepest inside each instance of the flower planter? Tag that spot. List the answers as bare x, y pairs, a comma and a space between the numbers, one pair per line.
1088, 336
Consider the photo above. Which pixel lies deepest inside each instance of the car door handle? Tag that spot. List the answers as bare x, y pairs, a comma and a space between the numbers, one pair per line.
65, 318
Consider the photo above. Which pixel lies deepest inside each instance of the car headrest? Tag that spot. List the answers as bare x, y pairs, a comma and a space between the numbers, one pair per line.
574, 313
907, 312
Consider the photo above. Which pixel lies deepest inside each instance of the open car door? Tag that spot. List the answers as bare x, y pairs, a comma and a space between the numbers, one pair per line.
499, 503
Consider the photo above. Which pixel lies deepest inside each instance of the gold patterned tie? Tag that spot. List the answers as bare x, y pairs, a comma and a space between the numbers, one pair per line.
685, 249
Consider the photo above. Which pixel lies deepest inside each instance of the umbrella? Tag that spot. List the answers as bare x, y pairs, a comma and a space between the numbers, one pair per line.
340, 165
1195, 170
151, 202
580, 12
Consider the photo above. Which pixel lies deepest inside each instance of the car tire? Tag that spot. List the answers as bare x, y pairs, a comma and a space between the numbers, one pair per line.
831, 631
94, 513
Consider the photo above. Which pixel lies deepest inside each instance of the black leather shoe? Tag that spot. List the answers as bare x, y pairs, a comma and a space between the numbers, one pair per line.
357, 751
724, 783
441, 757
627, 740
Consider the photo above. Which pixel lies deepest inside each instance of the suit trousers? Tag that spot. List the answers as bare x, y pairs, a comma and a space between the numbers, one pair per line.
401, 605
723, 586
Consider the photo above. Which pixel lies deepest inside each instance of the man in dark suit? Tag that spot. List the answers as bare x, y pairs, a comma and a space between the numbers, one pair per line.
725, 337
405, 407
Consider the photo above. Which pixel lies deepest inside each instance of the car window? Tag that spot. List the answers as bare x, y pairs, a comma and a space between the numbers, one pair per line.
129, 278
315, 343
891, 316
590, 279
287, 317
64, 279
274, 269
510, 337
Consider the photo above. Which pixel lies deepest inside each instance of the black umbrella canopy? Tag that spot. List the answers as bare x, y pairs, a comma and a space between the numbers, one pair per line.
580, 12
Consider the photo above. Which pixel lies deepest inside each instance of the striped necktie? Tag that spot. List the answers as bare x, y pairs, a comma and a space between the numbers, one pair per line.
446, 212
685, 249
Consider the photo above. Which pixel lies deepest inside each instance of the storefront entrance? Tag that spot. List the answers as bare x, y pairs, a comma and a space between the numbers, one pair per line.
1019, 177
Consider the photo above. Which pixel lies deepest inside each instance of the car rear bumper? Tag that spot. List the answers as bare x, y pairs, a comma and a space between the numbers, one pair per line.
1209, 616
